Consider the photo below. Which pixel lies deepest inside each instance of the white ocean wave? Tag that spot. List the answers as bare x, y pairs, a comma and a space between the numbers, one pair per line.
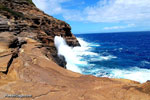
71, 58
86, 44
85, 49
78, 63
145, 62
137, 74
74, 56
83, 43
103, 58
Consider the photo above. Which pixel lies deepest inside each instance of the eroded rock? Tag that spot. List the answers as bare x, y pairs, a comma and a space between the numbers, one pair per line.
27, 49
23, 19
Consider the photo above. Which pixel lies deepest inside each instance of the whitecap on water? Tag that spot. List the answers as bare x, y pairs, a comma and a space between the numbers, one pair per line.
86, 44
73, 56
77, 62
85, 49
145, 62
83, 43
135, 73
103, 58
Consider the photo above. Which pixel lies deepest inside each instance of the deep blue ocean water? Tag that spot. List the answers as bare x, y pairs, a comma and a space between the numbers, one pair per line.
116, 55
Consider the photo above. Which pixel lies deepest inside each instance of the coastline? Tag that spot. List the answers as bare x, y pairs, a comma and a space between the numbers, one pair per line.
31, 67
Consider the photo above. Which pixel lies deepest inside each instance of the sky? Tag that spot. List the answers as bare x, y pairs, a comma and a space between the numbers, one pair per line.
100, 16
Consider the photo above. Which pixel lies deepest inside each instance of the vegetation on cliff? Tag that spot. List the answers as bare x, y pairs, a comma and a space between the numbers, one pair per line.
23, 19
13, 13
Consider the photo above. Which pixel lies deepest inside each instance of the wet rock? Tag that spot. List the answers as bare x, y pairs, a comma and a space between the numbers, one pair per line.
61, 61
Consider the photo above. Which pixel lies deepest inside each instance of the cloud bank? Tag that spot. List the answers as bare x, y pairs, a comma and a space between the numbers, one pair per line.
119, 27
118, 10
104, 11
52, 7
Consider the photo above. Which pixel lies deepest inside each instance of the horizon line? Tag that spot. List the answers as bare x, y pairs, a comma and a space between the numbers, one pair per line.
111, 32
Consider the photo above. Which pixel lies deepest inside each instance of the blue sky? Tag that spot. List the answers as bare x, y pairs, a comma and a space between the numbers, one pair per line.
98, 16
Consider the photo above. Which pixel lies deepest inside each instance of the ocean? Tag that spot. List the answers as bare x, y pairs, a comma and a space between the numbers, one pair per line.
114, 55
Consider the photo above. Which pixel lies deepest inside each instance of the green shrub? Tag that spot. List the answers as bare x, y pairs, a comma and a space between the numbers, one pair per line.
14, 13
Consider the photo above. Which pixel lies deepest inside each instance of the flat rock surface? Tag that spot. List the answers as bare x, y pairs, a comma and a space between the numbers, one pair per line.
33, 74
27, 49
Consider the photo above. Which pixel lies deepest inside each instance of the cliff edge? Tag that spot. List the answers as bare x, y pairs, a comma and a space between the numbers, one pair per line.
20, 18
30, 68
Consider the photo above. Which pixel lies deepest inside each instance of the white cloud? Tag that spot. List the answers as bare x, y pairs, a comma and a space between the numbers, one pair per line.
114, 11
50, 6
41, 4
129, 11
73, 15
119, 27
118, 10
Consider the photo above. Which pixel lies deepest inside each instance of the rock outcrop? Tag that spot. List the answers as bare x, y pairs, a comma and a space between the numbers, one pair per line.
29, 65
22, 19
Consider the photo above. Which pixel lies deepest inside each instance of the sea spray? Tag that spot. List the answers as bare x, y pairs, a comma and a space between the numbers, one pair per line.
74, 56
66, 51
80, 59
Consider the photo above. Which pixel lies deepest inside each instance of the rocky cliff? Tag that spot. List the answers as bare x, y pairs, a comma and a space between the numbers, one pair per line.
30, 68
20, 18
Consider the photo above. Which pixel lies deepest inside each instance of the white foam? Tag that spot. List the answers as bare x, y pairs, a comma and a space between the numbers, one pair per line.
86, 44
137, 74
108, 57
145, 62
85, 49
103, 58
83, 43
74, 56
68, 53
120, 48
77, 63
